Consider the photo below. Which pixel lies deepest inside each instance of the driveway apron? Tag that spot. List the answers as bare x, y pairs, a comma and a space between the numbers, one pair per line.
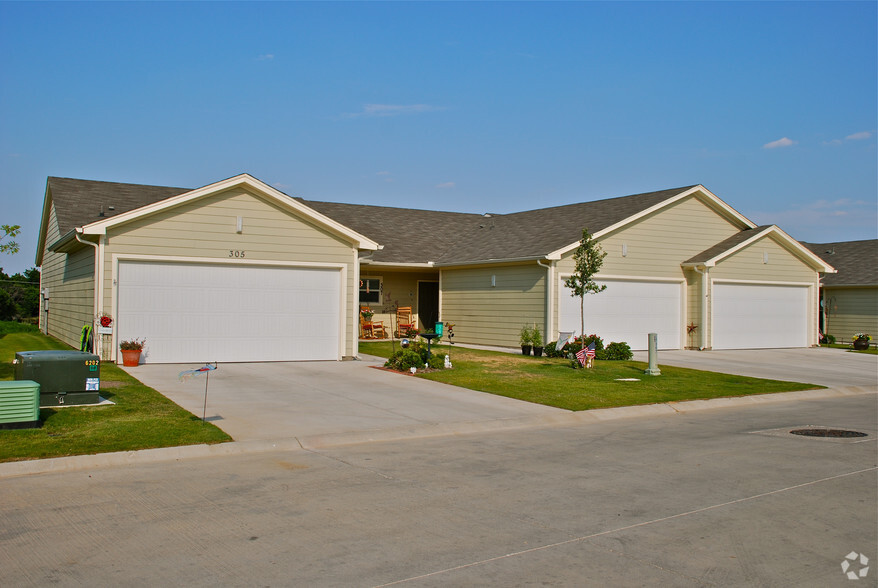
278, 400
833, 368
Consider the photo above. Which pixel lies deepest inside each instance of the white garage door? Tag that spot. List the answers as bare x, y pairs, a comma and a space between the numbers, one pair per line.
210, 312
748, 316
628, 311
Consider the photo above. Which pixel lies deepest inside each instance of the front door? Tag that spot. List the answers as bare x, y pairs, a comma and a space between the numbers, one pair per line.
428, 305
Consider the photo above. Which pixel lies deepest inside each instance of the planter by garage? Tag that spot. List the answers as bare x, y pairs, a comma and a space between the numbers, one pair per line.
131, 357
525, 349
538, 351
861, 344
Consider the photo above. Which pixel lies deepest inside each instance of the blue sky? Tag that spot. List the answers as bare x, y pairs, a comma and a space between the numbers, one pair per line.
471, 107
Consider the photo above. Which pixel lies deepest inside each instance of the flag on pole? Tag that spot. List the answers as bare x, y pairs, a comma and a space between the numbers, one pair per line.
589, 351
580, 355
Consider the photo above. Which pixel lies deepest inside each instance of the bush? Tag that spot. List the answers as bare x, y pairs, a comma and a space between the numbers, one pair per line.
618, 351
574, 347
414, 357
404, 360
828, 339
615, 351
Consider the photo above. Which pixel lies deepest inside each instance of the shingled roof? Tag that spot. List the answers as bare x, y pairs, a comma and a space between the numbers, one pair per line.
725, 245
79, 202
856, 262
408, 236
447, 238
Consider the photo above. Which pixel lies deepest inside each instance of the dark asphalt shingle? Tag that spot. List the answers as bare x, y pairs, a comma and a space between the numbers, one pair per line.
856, 262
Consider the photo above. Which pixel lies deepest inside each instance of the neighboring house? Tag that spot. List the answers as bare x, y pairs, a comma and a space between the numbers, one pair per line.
238, 271
849, 298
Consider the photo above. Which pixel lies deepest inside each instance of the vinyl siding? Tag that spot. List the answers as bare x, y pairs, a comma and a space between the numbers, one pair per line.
656, 245
486, 315
747, 264
206, 228
851, 310
70, 280
398, 288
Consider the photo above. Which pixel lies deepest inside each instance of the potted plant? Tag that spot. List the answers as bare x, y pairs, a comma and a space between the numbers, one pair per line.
537, 340
367, 315
131, 351
861, 341
526, 339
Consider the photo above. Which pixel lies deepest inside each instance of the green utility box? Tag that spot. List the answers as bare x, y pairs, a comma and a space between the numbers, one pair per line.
19, 405
65, 377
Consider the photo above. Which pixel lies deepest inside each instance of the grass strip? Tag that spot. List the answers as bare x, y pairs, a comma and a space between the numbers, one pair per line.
554, 383
141, 418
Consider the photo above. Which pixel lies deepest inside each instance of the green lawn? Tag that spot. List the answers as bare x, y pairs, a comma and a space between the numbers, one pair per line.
872, 350
554, 383
141, 418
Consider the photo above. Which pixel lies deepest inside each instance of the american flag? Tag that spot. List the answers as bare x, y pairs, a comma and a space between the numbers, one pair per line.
582, 354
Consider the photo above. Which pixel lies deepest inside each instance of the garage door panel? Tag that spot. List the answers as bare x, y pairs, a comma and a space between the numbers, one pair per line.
203, 312
748, 316
628, 310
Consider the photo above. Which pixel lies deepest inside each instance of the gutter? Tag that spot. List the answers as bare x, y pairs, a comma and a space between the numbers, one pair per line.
704, 275
95, 280
550, 299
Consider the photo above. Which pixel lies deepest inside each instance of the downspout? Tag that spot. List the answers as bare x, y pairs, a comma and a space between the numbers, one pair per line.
550, 303
704, 275
94, 320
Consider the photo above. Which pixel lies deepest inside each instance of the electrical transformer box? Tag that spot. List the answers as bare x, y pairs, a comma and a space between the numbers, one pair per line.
65, 377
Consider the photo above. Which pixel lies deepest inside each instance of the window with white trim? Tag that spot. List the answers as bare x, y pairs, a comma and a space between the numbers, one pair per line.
370, 290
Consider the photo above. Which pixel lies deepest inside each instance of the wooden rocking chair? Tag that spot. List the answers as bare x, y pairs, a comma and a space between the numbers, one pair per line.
371, 329
404, 321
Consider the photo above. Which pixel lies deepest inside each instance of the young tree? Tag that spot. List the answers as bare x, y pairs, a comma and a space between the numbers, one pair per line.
588, 257
10, 247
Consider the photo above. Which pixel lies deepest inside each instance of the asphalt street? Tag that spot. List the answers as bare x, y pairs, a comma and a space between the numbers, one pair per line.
722, 497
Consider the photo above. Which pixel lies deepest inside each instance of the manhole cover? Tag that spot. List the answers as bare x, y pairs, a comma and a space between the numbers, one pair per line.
833, 433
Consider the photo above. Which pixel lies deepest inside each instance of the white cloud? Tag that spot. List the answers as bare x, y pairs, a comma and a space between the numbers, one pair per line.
446, 185
784, 142
373, 110
266, 57
382, 173
834, 142
823, 220
859, 136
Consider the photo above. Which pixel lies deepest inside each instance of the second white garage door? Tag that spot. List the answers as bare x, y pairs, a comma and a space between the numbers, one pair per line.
628, 310
230, 313
747, 316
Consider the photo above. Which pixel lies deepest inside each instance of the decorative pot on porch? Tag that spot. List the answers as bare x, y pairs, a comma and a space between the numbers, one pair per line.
861, 343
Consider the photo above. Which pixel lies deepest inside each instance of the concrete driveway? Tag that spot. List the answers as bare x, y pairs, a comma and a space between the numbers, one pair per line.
282, 400
833, 368
333, 403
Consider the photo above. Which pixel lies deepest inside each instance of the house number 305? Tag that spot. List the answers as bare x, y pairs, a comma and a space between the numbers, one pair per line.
236, 253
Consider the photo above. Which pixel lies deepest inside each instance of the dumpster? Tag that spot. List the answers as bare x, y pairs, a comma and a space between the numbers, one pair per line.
19, 404
65, 377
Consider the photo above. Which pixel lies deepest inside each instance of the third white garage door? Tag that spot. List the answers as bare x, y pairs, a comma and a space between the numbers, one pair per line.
749, 316
628, 310
190, 312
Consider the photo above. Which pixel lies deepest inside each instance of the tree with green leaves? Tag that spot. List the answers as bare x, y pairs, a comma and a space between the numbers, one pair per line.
10, 247
588, 259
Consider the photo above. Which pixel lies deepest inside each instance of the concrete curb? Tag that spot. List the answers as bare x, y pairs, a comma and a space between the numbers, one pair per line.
328, 440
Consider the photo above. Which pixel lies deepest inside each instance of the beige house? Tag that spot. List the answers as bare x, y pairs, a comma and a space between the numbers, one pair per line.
237, 271
849, 298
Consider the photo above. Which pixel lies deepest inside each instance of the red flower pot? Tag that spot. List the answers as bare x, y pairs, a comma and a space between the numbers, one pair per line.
131, 357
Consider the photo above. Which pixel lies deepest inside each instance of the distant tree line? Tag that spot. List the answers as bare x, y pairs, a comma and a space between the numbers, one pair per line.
20, 295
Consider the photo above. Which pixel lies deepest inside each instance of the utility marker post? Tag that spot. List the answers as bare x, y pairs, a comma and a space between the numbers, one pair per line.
653, 369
